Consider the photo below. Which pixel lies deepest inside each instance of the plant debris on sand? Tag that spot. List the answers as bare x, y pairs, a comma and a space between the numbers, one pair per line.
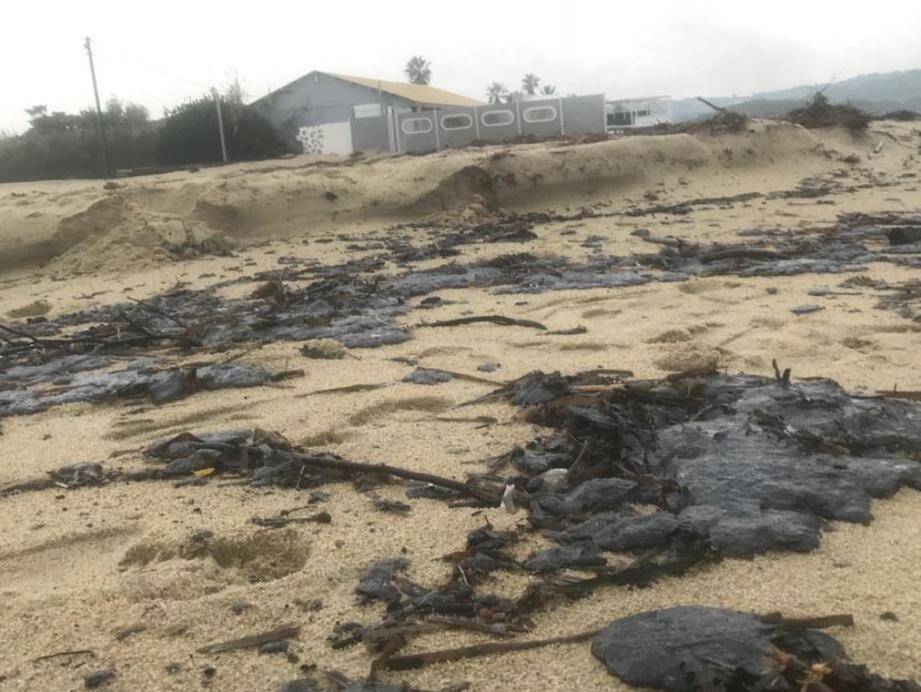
820, 112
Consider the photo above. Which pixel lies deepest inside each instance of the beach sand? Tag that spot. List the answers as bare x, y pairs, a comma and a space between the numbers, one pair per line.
76, 567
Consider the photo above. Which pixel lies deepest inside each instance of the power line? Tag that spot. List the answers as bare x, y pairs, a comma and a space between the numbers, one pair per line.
161, 71
158, 97
213, 93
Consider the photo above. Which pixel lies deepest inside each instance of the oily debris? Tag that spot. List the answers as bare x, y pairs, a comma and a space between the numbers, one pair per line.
324, 349
643, 478
428, 376
99, 678
695, 649
690, 648
747, 463
24, 389
71, 357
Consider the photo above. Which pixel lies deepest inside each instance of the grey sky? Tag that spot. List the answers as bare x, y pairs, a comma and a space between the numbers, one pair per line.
718, 47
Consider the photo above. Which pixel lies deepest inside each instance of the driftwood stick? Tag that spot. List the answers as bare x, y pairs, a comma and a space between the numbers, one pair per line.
286, 632
387, 470
347, 389
718, 109
813, 623
58, 654
492, 319
411, 661
741, 253
469, 378
896, 394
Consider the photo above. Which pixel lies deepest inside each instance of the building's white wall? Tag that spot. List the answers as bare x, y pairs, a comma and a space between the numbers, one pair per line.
331, 138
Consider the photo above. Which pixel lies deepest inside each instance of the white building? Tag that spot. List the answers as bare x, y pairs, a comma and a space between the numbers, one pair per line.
625, 114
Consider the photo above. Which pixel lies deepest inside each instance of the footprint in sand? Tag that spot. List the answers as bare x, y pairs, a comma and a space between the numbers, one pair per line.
63, 564
203, 563
387, 409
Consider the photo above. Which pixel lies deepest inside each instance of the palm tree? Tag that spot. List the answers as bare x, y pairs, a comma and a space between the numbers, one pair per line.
529, 83
495, 92
418, 70
548, 90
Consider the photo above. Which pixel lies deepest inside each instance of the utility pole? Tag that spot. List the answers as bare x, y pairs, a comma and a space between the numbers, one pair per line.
102, 132
220, 122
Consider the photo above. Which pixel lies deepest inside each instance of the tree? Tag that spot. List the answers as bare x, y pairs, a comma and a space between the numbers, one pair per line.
529, 83
190, 133
66, 145
37, 111
233, 89
548, 90
418, 70
496, 92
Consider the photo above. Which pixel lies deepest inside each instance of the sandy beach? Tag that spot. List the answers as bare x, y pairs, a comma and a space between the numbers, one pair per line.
105, 571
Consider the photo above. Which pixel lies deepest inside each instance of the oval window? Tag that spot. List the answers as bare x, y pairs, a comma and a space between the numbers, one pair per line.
497, 118
456, 121
539, 114
416, 126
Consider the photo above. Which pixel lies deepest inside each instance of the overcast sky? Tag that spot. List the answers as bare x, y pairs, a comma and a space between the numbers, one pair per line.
164, 52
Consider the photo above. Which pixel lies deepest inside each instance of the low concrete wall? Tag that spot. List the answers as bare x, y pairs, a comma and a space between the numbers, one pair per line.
584, 114
457, 127
430, 130
371, 134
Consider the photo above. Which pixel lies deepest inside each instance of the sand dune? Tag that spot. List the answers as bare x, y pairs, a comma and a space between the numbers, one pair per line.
83, 226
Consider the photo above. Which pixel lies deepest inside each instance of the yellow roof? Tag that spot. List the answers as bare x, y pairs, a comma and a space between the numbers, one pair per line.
420, 93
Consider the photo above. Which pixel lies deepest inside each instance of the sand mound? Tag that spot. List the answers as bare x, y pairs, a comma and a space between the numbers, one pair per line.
692, 355
216, 214
458, 189
85, 227
96, 219
114, 235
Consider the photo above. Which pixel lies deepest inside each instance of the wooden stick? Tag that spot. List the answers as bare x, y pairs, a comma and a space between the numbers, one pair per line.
412, 661
897, 394
385, 469
814, 623
286, 632
718, 109
468, 378
74, 652
501, 320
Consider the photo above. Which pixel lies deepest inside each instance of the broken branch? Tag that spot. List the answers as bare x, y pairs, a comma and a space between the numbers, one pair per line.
492, 319
286, 632
412, 661
483, 494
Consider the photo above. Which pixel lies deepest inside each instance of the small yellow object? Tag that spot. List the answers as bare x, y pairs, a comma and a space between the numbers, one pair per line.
815, 675
204, 473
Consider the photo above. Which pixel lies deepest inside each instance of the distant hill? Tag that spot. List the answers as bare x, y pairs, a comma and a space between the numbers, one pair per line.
877, 93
